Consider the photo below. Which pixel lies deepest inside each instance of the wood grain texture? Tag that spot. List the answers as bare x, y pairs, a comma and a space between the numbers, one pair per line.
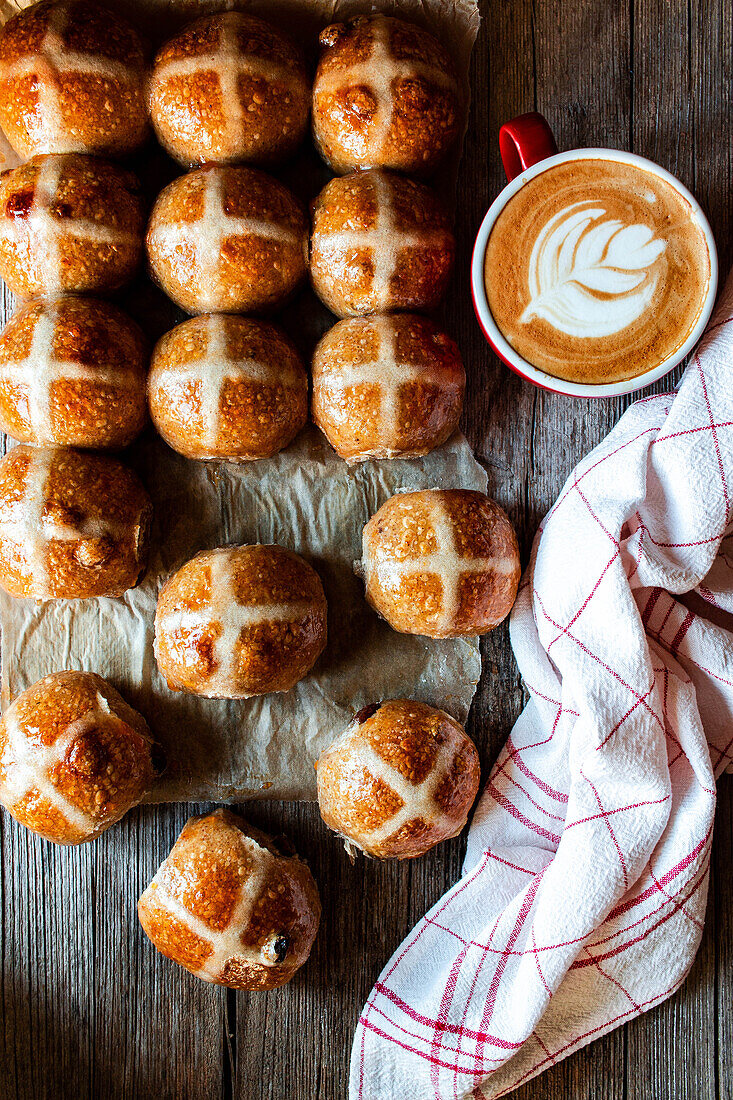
89, 1008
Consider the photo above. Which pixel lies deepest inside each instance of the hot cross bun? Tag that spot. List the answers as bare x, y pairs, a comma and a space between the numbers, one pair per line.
69, 223
240, 621
72, 372
227, 387
232, 905
72, 78
401, 777
229, 87
380, 243
385, 96
74, 757
387, 387
232, 240
441, 562
73, 524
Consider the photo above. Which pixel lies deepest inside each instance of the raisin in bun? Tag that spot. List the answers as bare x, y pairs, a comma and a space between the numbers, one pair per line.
227, 387
387, 387
229, 240
73, 373
73, 524
385, 96
69, 223
380, 243
229, 87
441, 562
240, 621
74, 757
72, 79
401, 777
231, 906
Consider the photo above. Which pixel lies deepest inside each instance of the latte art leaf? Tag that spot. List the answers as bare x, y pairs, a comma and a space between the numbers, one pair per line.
591, 275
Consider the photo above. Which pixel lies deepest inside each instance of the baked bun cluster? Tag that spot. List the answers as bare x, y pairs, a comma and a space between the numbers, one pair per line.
387, 387
72, 80
441, 562
401, 778
72, 373
380, 243
229, 88
74, 757
240, 621
73, 524
226, 93
385, 95
230, 906
229, 239
386, 100
227, 387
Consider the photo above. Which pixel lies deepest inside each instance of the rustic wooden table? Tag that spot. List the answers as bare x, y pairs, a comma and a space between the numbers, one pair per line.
89, 1008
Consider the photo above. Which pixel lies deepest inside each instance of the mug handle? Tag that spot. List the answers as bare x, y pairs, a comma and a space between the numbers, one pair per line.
523, 141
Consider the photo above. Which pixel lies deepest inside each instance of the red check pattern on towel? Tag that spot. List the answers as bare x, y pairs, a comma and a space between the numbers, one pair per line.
583, 894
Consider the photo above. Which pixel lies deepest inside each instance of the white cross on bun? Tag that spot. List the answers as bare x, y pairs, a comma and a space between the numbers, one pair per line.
73, 373
69, 223
380, 243
230, 240
387, 387
232, 905
441, 562
229, 87
385, 96
72, 80
74, 757
401, 778
73, 524
240, 621
227, 387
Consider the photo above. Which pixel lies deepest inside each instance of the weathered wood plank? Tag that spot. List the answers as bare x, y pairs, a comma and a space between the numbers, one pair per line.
723, 937
158, 1031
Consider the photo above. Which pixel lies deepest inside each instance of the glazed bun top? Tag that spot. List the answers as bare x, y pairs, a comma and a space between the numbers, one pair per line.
69, 223
240, 621
380, 243
227, 387
231, 906
72, 79
73, 524
72, 372
229, 240
443, 563
228, 88
401, 778
385, 96
387, 386
74, 757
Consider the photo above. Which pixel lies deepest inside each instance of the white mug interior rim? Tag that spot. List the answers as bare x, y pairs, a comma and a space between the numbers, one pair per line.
502, 345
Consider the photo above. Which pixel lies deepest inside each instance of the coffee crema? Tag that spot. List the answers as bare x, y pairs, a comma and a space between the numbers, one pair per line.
596, 270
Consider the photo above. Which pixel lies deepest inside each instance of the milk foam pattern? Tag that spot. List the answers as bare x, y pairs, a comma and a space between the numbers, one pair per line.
591, 275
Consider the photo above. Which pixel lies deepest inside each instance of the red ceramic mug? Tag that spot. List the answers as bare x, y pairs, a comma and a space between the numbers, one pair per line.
528, 148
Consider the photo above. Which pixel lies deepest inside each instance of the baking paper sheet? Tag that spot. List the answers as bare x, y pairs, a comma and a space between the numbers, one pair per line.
306, 498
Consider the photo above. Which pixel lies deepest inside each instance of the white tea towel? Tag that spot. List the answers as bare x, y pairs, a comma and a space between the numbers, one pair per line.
583, 891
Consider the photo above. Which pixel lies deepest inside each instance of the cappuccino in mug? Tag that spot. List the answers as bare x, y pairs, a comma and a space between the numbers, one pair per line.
597, 270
